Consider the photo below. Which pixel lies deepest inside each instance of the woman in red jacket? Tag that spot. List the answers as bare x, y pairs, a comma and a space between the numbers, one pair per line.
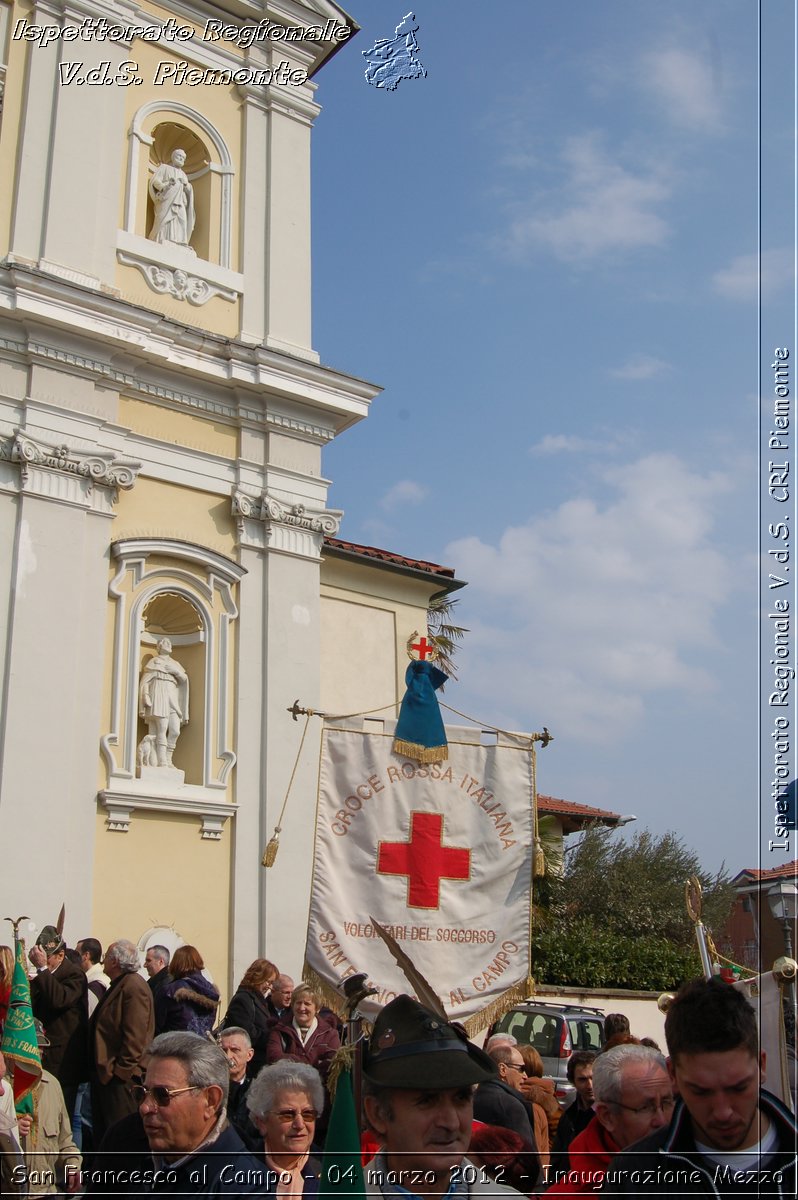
304, 1035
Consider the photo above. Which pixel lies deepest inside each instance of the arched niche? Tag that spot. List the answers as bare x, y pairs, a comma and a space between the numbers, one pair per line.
165, 587
159, 128
173, 615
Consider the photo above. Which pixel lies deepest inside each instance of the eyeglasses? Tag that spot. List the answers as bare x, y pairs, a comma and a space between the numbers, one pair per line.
650, 1108
521, 1067
286, 1115
161, 1096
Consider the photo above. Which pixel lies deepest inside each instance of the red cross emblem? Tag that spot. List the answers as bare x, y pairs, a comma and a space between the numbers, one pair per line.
424, 648
424, 859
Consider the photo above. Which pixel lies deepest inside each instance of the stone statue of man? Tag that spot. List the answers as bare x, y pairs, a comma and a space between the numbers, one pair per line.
163, 703
173, 199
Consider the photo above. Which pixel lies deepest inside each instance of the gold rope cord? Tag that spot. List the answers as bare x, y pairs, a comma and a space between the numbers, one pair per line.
270, 853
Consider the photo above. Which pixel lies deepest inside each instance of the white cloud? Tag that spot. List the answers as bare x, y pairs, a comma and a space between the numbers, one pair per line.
640, 366
564, 443
407, 491
604, 206
685, 86
586, 610
739, 280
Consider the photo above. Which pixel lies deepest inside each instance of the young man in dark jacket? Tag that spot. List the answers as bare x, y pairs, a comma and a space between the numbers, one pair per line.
728, 1136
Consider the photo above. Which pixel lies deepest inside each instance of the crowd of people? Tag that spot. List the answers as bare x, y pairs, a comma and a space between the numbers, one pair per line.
147, 1087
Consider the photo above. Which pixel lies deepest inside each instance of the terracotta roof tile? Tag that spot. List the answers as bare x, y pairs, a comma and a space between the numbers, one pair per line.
754, 875
550, 804
399, 560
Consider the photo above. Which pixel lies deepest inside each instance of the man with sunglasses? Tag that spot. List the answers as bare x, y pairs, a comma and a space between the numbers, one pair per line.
633, 1097
499, 1101
182, 1105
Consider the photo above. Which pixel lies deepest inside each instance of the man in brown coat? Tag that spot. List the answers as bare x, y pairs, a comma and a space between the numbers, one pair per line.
59, 999
122, 1026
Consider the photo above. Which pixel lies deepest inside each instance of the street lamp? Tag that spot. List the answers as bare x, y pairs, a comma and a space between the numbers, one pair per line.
783, 901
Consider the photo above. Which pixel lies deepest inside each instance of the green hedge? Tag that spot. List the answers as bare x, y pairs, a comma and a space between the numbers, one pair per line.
585, 956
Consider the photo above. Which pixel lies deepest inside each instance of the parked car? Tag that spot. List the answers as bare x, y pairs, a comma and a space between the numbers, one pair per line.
556, 1031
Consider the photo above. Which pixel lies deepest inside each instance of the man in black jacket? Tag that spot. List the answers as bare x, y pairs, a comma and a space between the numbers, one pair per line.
728, 1136
499, 1101
156, 964
59, 997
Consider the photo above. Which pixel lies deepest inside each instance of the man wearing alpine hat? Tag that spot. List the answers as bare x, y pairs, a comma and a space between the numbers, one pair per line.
419, 1075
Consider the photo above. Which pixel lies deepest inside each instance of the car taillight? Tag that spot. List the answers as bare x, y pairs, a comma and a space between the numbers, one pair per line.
565, 1050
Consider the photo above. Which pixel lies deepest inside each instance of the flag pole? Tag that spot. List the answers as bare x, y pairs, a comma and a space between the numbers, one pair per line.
694, 902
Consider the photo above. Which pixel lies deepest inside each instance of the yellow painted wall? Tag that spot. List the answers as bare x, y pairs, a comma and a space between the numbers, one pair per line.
162, 872
367, 615
10, 120
156, 509
180, 428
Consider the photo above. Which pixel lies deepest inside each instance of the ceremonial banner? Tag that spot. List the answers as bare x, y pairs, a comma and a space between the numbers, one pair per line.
764, 995
20, 1045
439, 853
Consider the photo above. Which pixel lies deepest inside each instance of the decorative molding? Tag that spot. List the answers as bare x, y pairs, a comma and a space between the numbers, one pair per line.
272, 511
132, 250
90, 480
244, 407
78, 277
176, 283
266, 523
102, 467
121, 803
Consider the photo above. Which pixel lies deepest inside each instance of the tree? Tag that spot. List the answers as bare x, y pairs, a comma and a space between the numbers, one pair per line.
616, 916
443, 634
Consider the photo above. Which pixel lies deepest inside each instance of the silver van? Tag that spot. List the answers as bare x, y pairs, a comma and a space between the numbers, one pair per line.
556, 1031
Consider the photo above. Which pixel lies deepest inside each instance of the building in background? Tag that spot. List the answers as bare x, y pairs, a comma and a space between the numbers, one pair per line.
172, 582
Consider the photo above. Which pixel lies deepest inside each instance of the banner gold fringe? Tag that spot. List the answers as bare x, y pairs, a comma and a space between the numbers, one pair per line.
498, 1007
422, 754
342, 1060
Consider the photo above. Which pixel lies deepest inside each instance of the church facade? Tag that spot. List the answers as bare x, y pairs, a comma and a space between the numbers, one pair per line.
172, 577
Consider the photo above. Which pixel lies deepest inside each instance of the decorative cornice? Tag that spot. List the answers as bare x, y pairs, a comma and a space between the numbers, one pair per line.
126, 798
100, 467
242, 407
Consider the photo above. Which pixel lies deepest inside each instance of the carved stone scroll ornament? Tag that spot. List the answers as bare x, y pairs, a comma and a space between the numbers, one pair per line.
177, 283
101, 467
269, 510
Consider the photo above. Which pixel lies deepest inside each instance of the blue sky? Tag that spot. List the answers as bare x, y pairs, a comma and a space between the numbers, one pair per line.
545, 252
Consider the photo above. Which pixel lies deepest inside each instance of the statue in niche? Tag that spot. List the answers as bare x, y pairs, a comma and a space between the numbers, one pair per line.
163, 703
173, 199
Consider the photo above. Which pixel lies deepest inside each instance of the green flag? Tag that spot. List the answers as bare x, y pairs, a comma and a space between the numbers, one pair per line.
342, 1170
20, 1045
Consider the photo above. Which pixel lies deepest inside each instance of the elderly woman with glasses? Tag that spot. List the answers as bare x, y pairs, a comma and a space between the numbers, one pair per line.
284, 1102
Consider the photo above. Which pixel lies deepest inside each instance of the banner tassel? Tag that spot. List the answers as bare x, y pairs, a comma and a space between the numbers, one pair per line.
270, 853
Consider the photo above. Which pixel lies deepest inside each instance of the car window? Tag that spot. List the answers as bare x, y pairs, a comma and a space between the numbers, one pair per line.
540, 1030
586, 1035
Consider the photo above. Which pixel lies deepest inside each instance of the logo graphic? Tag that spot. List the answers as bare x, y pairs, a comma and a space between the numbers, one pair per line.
390, 60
